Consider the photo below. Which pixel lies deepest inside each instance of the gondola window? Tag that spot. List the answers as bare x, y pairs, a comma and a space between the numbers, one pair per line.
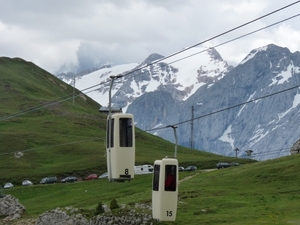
125, 132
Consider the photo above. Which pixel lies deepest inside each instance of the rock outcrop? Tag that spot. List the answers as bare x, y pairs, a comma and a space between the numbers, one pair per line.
137, 215
59, 217
295, 149
72, 216
11, 208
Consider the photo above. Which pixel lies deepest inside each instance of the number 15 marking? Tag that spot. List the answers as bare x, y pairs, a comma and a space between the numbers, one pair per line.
169, 213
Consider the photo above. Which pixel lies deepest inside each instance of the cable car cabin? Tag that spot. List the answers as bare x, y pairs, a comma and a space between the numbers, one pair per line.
165, 189
121, 153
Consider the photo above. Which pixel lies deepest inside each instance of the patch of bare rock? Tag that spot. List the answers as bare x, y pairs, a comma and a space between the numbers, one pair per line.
11, 212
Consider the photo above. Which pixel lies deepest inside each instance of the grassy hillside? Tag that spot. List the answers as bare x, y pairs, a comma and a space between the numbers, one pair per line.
63, 139
42, 133
258, 193
37, 118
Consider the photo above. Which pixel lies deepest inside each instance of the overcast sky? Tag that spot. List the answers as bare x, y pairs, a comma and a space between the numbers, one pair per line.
71, 34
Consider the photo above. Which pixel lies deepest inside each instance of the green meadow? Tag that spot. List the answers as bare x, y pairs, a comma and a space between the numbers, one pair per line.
257, 193
56, 138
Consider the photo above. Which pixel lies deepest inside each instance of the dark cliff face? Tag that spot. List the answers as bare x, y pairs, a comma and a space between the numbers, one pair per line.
179, 76
165, 92
266, 126
222, 122
154, 109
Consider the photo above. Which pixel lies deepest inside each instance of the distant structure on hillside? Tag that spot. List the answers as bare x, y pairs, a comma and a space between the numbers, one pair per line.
113, 110
249, 153
295, 149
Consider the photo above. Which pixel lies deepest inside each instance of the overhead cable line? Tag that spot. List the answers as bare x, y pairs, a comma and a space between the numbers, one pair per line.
162, 59
271, 152
212, 38
55, 101
159, 128
70, 96
52, 146
234, 39
253, 154
223, 43
43, 105
224, 109
48, 104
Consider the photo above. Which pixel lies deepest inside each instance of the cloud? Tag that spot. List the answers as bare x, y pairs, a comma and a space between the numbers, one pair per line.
287, 34
76, 34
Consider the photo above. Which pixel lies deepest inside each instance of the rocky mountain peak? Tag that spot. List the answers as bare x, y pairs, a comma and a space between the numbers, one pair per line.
151, 58
165, 93
215, 54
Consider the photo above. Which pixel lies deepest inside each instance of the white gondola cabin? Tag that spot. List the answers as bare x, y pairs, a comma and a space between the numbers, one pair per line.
121, 147
165, 189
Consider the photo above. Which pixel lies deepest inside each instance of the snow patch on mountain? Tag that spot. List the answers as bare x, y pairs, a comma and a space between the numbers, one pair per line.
285, 75
296, 102
259, 134
181, 75
249, 99
96, 84
226, 137
253, 53
208, 64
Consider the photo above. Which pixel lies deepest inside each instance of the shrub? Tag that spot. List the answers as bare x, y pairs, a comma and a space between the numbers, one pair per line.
99, 209
113, 204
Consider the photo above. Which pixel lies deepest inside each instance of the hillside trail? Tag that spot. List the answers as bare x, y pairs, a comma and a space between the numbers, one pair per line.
189, 177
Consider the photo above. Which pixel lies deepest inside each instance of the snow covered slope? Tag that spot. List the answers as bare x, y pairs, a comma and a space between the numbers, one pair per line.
96, 84
200, 85
181, 75
268, 79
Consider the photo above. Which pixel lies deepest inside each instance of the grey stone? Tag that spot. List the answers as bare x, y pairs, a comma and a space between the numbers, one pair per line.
11, 208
